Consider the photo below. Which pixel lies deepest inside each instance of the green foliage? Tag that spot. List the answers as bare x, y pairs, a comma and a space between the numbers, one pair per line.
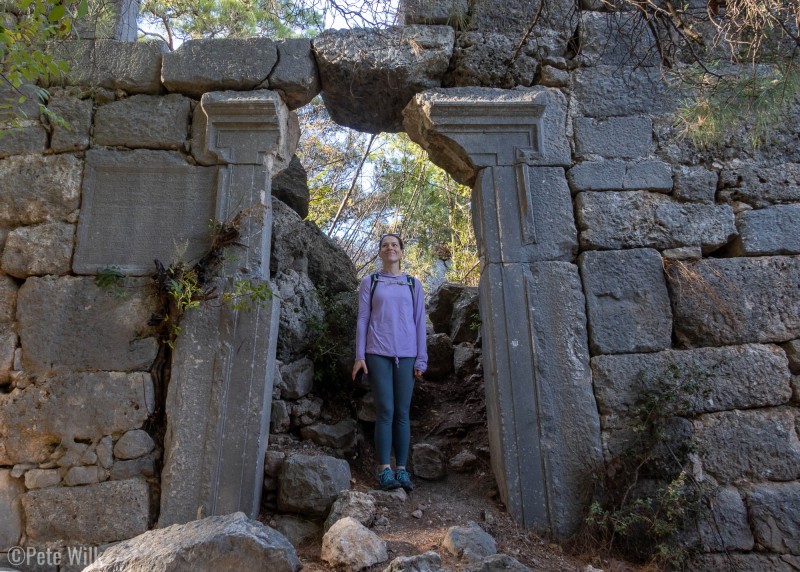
247, 295
112, 279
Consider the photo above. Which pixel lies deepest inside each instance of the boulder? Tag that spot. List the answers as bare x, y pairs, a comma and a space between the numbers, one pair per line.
464, 360
297, 378
310, 484
470, 542
440, 356
8, 347
349, 544
300, 306
342, 435
427, 562
428, 462
295, 75
440, 306
39, 250
229, 542
290, 186
144, 121
465, 322
354, 504
500, 563
132, 444
279, 417
368, 76
297, 530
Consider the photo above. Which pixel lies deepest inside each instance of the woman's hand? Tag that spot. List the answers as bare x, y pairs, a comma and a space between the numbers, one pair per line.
359, 365
418, 372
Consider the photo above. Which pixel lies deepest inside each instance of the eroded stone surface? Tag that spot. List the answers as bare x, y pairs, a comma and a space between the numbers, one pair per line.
149, 121
11, 525
78, 115
349, 544
484, 59
605, 90
27, 138
310, 485
614, 137
769, 231
38, 250
617, 38
773, 512
295, 75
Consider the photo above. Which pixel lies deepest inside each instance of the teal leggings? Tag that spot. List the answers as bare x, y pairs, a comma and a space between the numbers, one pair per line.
392, 385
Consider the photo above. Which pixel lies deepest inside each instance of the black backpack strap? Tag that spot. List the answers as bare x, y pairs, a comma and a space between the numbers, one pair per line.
373, 283
412, 287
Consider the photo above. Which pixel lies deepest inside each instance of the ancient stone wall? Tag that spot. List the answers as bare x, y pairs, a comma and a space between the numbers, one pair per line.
652, 265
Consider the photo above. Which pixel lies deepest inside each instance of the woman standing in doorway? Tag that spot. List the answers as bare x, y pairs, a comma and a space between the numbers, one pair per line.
391, 348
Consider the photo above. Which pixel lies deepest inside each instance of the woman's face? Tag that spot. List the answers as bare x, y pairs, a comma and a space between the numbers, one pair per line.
390, 249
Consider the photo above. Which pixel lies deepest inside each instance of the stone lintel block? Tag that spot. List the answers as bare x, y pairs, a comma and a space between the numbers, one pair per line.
635, 219
218, 64
439, 12
11, 525
78, 115
70, 323
627, 301
768, 231
525, 215
543, 423
134, 67
144, 121
28, 138
756, 445
773, 511
468, 128
725, 301
614, 137
607, 90
74, 405
39, 250
707, 380
695, 184
295, 76
93, 514
39, 189
143, 205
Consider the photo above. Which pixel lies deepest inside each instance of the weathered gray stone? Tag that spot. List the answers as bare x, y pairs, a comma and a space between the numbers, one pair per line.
349, 544
27, 138
648, 175
607, 90
761, 185
279, 419
614, 137
11, 525
297, 530
695, 184
550, 76
94, 514
366, 408
305, 410
718, 302
342, 435
465, 320
621, 38
440, 306
149, 121
463, 461
368, 76
389, 499
427, 562
300, 305
39, 189
464, 360
70, 322
77, 113
617, 175
218, 64
272, 462
428, 462
354, 504
310, 485
297, 378
444, 12
692, 253
470, 543
704, 380
141, 467
10, 106
83, 476
498, 563
634, 219
105, 452
456, 126
290, 186
230, 542
792, 350
768, 231
773, 512
8, 298
134, 67
440, 356
143, 205
295, 76
134, 443
484, 59
38, 250
627, 301
743, 563
42, 478
8, 346
513, 17
34, 419
756, 445
724, 525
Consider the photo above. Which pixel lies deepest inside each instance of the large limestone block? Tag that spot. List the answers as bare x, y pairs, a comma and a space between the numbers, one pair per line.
10, 106
443, 12
695, 184
230, 542
617, 38
8, 298
614, 137
38, 250
724, 526
78, 115
773, 230
11, 525
513, 17
69, 322
726, 301
295, 76
134, 67
218, 64
93, 514
79, 406
368, 76
627, 301
466, 128
619, 175
300, 305
350, 545
149, 121
755, 445
310, 484
28, 138
482, 59
607, 90
290, 187
39, 189
635, 219
705, 380
761, 185
775, 513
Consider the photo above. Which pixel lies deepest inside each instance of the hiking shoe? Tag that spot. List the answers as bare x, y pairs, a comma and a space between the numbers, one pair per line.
404, 478
386, 480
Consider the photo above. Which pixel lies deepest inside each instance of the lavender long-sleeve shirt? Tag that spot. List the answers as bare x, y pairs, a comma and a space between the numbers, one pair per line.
394, 326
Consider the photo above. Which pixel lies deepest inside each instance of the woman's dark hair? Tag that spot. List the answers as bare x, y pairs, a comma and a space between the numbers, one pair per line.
397, 236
